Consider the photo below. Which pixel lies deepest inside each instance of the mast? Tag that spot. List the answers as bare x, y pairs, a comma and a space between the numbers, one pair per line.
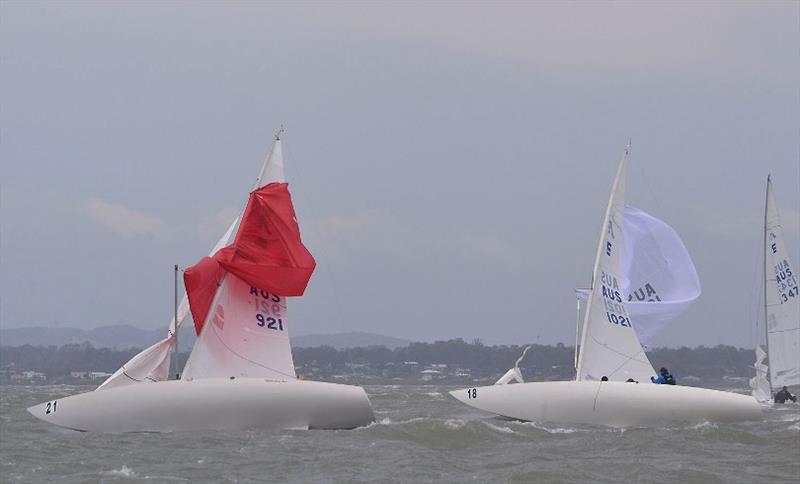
766, 326
177, 350
577, 333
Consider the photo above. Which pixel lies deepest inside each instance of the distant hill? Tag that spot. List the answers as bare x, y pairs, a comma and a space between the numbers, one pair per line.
124, 336
119, 337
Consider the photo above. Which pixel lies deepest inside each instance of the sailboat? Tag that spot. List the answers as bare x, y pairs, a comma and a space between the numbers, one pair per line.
781, 311
240, 373
612, 385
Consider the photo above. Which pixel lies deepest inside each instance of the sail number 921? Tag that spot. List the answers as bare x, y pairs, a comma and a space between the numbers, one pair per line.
269, 322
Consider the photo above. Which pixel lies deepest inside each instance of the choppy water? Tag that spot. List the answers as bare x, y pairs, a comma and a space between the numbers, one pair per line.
422, 434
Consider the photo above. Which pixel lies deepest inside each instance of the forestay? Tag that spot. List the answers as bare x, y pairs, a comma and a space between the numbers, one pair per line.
782, 302
153, 363
609, 345
238, 296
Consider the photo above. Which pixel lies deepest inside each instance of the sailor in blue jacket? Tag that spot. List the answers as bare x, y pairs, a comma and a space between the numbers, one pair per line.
664, 378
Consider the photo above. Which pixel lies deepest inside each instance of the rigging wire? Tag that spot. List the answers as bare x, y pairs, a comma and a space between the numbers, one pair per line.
653, 197
318, 232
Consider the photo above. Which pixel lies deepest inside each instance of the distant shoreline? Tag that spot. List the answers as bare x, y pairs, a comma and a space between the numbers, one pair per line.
443, 362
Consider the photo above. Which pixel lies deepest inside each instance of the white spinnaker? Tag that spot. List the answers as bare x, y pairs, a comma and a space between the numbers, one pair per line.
662, 277
609, 345
782, 302
152, 364
759, 383
245, 333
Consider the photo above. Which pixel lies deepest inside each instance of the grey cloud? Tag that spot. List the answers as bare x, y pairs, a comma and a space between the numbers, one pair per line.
125, 221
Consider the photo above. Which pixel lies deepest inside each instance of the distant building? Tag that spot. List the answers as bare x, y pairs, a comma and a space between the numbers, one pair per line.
28, 376
429, 373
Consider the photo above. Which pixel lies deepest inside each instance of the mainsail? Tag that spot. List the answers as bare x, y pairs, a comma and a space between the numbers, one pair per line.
782, 301
153, 363
238, 296
609, 344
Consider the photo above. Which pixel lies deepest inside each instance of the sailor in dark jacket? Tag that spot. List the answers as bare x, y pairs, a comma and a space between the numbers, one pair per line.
664, 378
784, 395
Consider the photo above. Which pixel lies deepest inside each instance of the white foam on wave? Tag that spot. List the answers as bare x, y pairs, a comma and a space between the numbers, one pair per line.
704, 425
435, 395
388, 421
550, 430
454, 423
125, 471
502, 430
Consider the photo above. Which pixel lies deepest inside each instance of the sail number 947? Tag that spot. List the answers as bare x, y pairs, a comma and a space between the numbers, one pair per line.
269, 322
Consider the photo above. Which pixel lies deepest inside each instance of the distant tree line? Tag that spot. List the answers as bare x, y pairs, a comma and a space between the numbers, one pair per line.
378, 362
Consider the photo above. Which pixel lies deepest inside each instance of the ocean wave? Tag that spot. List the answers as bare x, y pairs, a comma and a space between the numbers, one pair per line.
502, 430
551, 430
454, 423
703, 425
125, 471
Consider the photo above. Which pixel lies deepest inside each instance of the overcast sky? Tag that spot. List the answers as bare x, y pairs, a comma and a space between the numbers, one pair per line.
450, 163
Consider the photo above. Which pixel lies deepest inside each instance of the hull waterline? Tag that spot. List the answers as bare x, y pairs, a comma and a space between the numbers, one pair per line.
615, 404
211, 404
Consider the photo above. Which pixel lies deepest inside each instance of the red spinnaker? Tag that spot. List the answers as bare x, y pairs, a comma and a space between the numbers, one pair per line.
267, 253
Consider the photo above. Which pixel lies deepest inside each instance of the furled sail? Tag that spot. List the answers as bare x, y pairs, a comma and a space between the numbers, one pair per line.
759, 383
238, 296
782, 302
609, 344
663, 281
153, 363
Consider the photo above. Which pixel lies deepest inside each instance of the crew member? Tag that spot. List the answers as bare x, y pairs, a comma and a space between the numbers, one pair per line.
784, 395
664, 378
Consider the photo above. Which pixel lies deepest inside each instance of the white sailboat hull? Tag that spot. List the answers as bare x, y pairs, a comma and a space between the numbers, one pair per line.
211, 404
615, 404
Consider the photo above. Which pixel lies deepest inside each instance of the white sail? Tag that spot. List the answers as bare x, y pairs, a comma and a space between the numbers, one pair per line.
246, 335
782, 302
153, 363
609, 345
759, 383
246, 331
662, 277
